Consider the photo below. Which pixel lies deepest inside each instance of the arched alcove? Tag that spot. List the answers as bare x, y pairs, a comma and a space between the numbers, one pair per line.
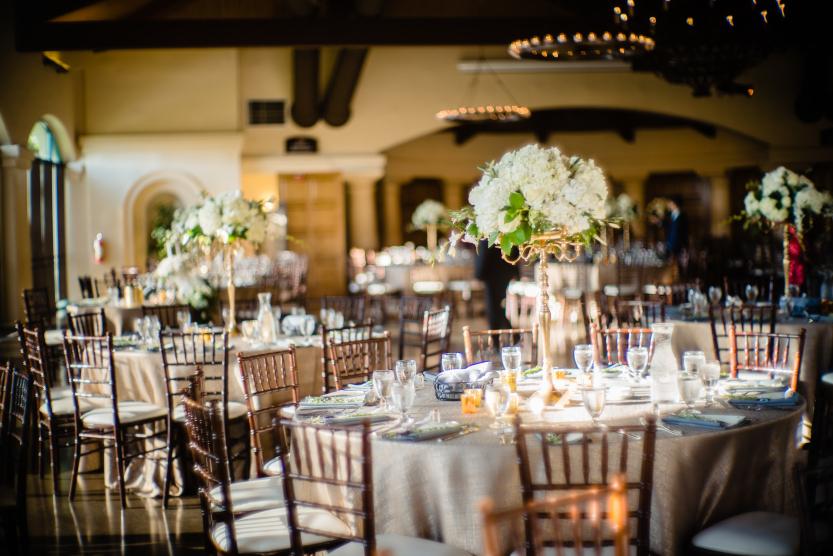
143, 202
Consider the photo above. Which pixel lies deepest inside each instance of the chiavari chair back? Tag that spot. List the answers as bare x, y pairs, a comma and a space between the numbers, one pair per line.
486, 345
638, 313
88, 324
412, 309
355, 361
553, 459
339, 335
610, 345
351, 306
165, 313
14, 446
746, 318
40, 311
436, 338
92, 377
270, 382
521, 307
593, 521
574, 303
90, 287
5, 389
764, 352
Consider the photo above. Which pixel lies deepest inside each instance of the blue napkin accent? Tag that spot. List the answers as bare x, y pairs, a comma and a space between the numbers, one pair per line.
703, 421
774, 403
426, 432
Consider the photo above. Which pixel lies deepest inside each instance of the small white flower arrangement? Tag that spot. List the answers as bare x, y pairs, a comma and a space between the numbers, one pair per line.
429, 213
534, 190
622, 208
785, 197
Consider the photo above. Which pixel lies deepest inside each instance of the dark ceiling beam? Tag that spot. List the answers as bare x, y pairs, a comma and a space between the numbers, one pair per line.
105, 10
35, 36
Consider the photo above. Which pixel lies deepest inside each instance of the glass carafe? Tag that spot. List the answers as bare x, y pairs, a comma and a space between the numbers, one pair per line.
266, 325
664, 368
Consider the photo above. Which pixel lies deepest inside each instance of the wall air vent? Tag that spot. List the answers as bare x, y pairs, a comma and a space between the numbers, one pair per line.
266, 112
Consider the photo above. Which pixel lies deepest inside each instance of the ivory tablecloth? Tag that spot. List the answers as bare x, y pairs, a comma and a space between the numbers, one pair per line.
432, 490
141, 376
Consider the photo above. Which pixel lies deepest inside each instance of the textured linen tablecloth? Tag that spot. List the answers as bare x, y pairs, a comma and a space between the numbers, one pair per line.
141, 376
432, 490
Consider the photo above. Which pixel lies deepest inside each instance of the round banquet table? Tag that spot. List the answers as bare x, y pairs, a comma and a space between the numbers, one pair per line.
141, 376
432, 490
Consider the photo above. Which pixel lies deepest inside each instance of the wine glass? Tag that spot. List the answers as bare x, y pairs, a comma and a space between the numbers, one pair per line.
689, 385
451, 361
751, 293
715, 295
594, 398
692, 361
583, 356
402, 398
405, 370
382, 381
183, 319
709, 374
139, 328
637, 361
496, 400
512, 360
308, 328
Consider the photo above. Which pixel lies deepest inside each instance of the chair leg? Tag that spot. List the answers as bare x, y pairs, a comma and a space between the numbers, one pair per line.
76, 461
119, 445
54, 461
41, 464
169, 457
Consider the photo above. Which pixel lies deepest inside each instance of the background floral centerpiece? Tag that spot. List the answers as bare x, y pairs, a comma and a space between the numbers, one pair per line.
623, 209
430, 216
785, 198
540, 202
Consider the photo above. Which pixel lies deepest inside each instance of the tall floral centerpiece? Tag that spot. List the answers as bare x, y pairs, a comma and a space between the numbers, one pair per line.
787, 199
623, 208
536, 202
430, 216
221, 223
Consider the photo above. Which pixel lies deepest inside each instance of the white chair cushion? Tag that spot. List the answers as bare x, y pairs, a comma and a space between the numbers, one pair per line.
273, 467
256, 494
400, 545
235, 411
758, 533
129, 412
268, 531
64, 406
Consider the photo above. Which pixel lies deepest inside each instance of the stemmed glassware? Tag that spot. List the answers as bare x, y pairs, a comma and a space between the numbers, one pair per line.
583, 356
308, 328
751, 293
496, 400
594, 398
183, 319
637, 361
715, 295
512, 361
402, 398
692, 361
709, 374
405, 370
382, 381
689, 385
451, 361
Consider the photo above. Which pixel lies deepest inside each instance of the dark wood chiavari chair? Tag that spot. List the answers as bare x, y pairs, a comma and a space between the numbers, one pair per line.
315, 465
355, 361
129, 427
591, 521
91, 288
821, 441
746, 318
238, 517
40, 311
486, 345
351, 306
521, 309
5, 389
339, 335
182, 352
610, 345
270, 383
412, 309
436, 338
764, 352
92, 323
14, 462
548, 464
165, 313
815, 496
55, 417
638, 313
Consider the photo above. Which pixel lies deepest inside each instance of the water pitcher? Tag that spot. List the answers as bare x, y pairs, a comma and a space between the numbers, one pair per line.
664, 368
266, 325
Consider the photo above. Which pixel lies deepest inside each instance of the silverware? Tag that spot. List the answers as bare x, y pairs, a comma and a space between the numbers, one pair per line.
466, 430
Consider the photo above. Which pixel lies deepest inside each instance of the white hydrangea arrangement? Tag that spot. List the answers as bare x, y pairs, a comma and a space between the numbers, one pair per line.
429, 213
225, 219
534, 190
622, 207
785, 197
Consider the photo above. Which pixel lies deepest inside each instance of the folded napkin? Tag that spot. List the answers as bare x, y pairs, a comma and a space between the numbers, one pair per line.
331, 402
556, 439
615, 370
775, 400
478, 372
357, 418
744, 387
702, 420
424, 432
362, 386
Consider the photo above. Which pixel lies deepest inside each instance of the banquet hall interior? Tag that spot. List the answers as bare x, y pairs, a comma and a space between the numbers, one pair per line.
398, 277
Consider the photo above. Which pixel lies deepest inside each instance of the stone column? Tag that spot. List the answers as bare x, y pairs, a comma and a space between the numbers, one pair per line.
363, 218
15, 248
393, 213
635, 188
720, 205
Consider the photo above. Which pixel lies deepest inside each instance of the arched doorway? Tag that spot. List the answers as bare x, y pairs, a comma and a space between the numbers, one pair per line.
151, 202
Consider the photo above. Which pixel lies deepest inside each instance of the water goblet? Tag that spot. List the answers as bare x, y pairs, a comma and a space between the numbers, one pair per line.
451, 361
405, 370
308, 328
583, 356
511, 358
402, 398
709, 374
751, 293
382, 381
692, 361
183, 319
637, 361
139, 328
689, 386
496, 400
594, 398
715, 295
